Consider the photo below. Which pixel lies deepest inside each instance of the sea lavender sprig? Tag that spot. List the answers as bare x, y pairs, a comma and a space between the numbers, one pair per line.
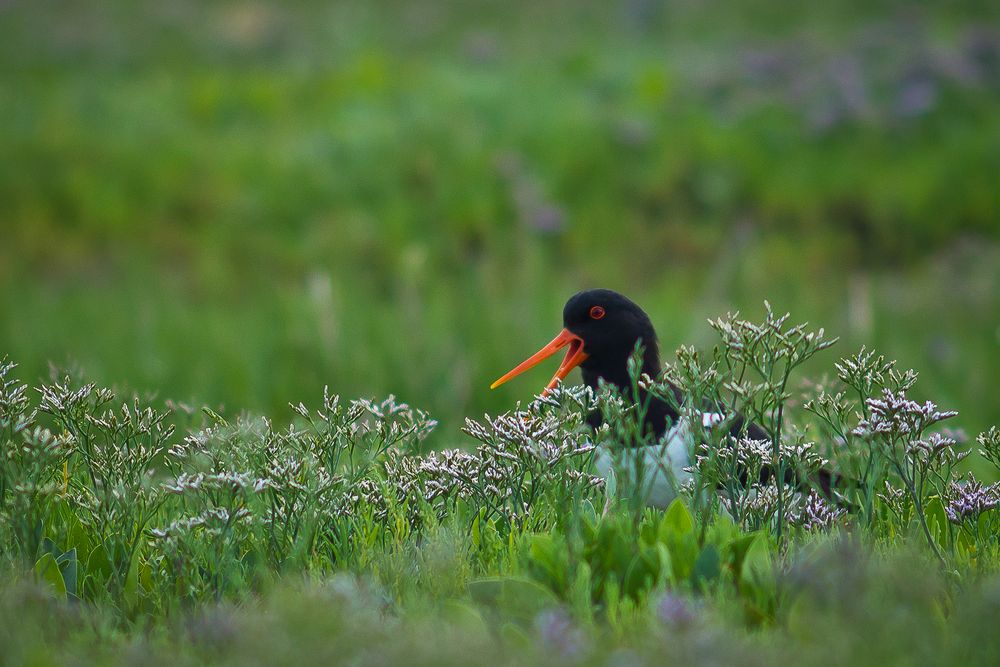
817, 514
760, 359
989, 445
895, 427
969, 499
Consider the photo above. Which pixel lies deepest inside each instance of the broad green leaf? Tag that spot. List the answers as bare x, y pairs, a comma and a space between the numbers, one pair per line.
68, 566
642, 573
465, 616
588, 512
612, 601
707, 567
98, 565
677, 520
581, 593
66, 562
477, 540
736, 551
612, 551
677, 534
49, 547
515, 637
550, 560
131, 593
517, 598
937, 521
611, 484
146, 576
47, 570
77, 536
666, 563
722, 531
758, 568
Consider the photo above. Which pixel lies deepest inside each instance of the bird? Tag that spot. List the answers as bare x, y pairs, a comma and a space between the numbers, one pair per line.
601, 330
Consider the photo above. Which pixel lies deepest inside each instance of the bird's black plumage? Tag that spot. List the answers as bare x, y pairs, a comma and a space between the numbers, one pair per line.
610, 340
601, 329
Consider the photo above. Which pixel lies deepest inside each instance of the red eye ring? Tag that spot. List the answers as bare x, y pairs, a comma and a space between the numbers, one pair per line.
596, 312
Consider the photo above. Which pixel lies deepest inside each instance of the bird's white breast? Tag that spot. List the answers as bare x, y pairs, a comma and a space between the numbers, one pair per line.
658, 471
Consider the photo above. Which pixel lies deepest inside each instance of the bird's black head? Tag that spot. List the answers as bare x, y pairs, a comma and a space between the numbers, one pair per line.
610, 325
602, 328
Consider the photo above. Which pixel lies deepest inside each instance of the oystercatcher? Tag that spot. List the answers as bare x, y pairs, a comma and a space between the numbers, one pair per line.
601, 329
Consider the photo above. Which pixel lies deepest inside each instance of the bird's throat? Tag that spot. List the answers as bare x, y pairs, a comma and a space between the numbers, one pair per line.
616, 372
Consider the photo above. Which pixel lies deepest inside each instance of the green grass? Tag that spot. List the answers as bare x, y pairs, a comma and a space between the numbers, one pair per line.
241, 204
238, 204
130, 529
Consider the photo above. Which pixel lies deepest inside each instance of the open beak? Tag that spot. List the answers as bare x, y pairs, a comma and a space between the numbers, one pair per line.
574, 357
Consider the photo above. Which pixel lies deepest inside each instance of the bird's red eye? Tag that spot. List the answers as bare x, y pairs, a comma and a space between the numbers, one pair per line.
596, 312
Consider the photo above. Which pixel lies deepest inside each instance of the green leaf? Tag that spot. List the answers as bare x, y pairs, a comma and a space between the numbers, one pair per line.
588, 512
708, 566
937, 521
549, 560
464, 616
736, 551
757, 573
517, 598
666, 563
611, 484
146, 576
612, 601
515, 637
131, 592
612, 550
68, 566
722, 531
66, 561
642, 573
77, 536
47, 570
677, 533
476, 535
49, 547
589, 527
677, 520
99, 564
581, 593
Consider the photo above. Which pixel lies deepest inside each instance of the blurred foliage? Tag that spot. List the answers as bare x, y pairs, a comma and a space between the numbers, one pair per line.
130, 530
243, 201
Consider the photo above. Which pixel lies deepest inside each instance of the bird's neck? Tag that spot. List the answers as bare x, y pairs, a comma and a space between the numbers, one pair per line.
616, 373
659, 414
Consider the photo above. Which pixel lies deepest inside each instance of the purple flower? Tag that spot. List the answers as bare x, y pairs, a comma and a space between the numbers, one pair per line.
895, 416
673, 610
916, 97
818, 514
969, 500
557, 632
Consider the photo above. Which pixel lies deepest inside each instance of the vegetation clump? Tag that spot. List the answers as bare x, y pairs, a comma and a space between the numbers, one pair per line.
125, 510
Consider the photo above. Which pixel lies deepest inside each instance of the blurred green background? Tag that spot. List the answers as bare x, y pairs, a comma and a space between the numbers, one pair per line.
239, 202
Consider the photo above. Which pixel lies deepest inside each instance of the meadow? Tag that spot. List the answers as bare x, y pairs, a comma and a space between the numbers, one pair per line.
229, 232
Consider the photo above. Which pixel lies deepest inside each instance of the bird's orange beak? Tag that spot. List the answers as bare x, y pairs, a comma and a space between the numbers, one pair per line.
574, 357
